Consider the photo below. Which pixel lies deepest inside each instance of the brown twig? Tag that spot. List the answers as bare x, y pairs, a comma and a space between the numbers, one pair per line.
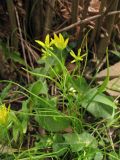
85, 21
83, 25
74, 12
11, 12
98, 23
49, 16
108, 27
21, 38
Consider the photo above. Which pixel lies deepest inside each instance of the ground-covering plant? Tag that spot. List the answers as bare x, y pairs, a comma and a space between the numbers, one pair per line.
62, 116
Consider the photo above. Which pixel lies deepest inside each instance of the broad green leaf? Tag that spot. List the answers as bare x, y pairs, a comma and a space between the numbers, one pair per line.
39, 87
58, 144
87, 97
90, 153
52, 120
80, 84
114, 156
45, 141
81, 141
99, 105
102, 98
100, 110
98, 156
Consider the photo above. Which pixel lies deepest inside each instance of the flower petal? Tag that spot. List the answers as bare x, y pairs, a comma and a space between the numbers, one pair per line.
79, 51
56, 38
84, 55
66, 42
47, 40
72, 53
61, 38
40, 43
73, 61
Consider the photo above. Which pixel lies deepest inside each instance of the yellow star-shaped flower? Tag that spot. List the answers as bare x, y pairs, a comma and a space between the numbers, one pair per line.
59, 41
77, 57
46, 44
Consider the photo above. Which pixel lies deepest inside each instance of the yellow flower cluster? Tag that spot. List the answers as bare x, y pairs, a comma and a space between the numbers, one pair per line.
4, 112
61, 44
58, 41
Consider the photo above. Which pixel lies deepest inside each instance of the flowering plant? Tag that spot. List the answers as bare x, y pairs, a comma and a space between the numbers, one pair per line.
58, 41
4, 113
77, 57
47, 43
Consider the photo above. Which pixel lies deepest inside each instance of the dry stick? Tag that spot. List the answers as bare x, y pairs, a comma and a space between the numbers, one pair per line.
21, 38
85, 21
11, 12
36, 15
49, 16
62, 24
74, 12
84, 15
81, 3
98, 23
108, 26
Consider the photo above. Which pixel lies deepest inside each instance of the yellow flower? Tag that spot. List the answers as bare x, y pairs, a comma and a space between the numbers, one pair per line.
77, 57
59, 41
47, 44
4, 113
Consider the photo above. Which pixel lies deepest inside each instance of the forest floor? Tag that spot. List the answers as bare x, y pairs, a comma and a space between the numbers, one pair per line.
57, 102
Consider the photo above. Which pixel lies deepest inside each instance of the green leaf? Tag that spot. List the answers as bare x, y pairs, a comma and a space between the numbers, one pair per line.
90, 154
15, 133
98, 156
100, 110
105, 82
59, 145
102, 107
24, 115
116, 52
81, 141
15, 56
102, 98
17, 129
39, 87
102, 88
52, 120
5, 91
114, 156
80, 84
99, 105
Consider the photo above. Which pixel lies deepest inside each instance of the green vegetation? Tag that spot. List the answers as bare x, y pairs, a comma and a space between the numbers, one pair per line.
62, 115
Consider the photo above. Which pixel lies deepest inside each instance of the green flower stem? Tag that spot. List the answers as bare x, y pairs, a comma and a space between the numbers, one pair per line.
62, 60
78, 66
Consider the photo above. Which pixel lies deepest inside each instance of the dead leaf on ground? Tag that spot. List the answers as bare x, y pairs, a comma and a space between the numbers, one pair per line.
113, 87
